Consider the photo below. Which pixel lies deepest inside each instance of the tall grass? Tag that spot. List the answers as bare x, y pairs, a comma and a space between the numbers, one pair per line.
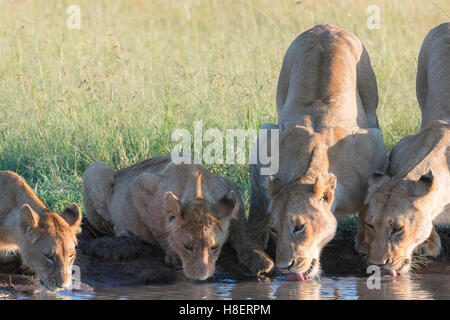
115, 89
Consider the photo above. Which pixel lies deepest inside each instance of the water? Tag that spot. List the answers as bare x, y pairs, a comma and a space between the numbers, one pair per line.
431, 286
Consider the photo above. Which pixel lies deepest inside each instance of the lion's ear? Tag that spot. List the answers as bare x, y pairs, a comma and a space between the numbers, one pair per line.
377, 179
272, 185
227, 207
324, 187
29, 221
424, 185
172, 206
73, 217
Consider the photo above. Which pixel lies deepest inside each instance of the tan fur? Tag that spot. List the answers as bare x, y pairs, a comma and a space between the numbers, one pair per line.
414, 195
45, 239
412, 198
327, 80
330, 144
433, 75
317, 182
183, 208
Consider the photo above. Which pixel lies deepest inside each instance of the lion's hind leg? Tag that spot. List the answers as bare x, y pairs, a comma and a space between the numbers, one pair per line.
98, 183
430, 247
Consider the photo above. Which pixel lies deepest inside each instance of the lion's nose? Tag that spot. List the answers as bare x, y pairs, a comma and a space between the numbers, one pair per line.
286, 267
202, 276
299, 261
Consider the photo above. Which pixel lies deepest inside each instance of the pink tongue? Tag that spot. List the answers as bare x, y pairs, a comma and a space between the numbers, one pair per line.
392, 273
296, 277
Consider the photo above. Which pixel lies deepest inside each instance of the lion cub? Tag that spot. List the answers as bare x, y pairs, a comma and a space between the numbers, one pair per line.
186, 210
45, 239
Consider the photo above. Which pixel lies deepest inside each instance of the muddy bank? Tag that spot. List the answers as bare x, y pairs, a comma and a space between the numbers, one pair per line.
105, 260
124, 261
18, 285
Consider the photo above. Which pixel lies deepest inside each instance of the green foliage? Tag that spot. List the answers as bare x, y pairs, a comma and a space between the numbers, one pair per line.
115, 89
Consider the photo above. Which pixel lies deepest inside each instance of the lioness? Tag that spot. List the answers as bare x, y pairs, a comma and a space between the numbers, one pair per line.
186, 210
330, 144
45, 239
403, 205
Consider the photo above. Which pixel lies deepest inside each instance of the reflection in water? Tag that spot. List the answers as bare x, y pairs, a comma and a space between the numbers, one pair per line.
298, 290
432, 286
346, 290
403, 287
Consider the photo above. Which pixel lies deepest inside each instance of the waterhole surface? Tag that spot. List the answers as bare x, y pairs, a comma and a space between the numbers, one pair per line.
429, 286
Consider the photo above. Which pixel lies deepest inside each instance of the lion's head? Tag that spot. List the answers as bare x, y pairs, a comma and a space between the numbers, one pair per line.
49, 244
198, 230
301, 222
397, 218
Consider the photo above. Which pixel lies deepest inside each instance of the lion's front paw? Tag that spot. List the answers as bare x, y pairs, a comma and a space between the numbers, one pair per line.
26, 269
173, 261
431, 247
259, 263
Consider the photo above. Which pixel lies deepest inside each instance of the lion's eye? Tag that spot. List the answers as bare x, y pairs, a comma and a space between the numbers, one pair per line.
299, 228
369, 226
397, 230
188, 248
71, 257
49, 257
214, 248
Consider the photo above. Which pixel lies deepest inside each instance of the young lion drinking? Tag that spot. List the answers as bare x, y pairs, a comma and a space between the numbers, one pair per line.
46, 240
186, 210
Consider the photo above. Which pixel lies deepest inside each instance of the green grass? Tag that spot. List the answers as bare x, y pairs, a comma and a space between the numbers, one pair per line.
136, 70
